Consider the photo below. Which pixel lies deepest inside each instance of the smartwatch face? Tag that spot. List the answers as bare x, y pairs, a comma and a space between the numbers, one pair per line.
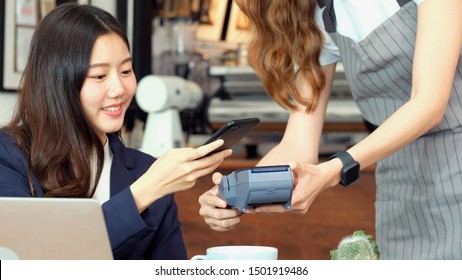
352, 174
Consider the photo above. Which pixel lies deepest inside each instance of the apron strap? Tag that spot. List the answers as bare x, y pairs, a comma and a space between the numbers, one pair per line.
328, 17
403, 2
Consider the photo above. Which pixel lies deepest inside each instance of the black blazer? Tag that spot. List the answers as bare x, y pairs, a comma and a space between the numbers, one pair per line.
155, 234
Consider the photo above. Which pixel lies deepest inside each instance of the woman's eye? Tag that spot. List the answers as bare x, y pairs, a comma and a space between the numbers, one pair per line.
99, 77
127, 72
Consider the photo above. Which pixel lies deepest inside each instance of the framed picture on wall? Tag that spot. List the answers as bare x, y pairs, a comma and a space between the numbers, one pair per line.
238, 26
18, 21
19, 17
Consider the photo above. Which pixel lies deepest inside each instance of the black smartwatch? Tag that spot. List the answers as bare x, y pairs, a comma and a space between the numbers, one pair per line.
350, 170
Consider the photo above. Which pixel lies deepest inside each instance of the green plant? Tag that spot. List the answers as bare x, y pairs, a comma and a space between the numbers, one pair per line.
357, 246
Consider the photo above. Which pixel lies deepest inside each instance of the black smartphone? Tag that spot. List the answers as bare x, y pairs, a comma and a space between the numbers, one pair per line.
232, 132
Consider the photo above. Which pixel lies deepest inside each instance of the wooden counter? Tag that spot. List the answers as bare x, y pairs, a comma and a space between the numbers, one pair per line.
336, 213
329, 126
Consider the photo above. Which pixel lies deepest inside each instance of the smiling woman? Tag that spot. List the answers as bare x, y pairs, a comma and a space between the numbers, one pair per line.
64, 139
109, 86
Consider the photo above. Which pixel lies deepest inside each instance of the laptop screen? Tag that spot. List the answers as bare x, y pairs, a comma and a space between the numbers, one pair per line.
52, 228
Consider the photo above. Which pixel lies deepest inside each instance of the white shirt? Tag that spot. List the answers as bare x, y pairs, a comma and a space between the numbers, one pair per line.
356, 19
102, 193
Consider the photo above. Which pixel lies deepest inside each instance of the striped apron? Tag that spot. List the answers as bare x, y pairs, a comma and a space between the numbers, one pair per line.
419, 188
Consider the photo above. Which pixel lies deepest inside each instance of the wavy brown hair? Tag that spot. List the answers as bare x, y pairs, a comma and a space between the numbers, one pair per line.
49, 125
286, 42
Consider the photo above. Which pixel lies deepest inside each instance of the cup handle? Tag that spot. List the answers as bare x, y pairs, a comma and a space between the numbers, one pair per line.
199, 257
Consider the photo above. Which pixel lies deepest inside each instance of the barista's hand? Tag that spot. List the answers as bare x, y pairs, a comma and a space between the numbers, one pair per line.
176, 170
309, 181
213, 209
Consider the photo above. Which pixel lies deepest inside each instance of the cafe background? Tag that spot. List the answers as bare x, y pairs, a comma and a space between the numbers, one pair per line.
204, 42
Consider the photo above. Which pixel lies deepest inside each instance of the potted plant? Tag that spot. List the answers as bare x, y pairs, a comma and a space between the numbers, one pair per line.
357, 246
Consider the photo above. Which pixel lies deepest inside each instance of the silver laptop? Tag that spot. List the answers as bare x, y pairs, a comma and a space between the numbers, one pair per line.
52, 229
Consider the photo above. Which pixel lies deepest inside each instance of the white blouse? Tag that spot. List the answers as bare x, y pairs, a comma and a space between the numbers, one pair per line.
355, 19
102, 193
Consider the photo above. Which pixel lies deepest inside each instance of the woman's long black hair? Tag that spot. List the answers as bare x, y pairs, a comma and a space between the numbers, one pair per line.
50, 126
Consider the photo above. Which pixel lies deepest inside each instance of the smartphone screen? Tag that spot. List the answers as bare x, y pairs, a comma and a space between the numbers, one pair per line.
232, 132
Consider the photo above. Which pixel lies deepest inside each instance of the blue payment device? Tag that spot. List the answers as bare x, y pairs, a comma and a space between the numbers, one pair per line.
252, 187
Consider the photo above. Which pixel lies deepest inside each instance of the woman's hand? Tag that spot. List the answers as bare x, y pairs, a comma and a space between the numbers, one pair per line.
176, 170
213, 209
309, 181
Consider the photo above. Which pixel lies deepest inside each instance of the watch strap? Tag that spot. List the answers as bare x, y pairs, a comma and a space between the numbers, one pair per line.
350, 170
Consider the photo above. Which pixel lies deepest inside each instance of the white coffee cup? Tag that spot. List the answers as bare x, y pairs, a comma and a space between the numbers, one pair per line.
239, 253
